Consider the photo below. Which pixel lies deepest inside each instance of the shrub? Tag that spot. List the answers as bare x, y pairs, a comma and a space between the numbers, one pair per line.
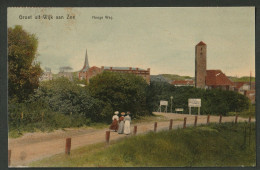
122, 91
213, 101
67, 97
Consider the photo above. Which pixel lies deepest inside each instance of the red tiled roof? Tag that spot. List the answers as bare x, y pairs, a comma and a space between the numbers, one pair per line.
239, 84
93, 68
183, 82
201, 43
217, 78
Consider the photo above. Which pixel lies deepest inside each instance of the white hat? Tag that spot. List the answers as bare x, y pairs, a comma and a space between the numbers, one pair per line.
116, 112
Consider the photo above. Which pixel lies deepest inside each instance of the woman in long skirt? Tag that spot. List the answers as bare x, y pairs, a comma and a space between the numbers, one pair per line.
114, 125
121, 123
127, 130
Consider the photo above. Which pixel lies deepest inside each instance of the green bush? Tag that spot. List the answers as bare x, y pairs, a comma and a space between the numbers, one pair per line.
122, 91
214, 101
30, 117
64, 96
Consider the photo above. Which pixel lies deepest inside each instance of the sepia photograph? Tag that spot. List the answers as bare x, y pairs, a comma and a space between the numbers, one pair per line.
131, 87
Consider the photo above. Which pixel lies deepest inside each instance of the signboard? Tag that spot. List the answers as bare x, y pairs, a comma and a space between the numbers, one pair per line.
194, 102
179, 109
163, 103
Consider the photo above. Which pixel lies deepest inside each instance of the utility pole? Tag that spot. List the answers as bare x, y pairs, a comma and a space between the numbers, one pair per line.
250, 79
171, 103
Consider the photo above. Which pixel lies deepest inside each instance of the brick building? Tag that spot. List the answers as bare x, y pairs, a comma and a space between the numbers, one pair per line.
132, 70
200, 64
217, 79
88, 72
247, 89
91, 72
208, 78
251, 95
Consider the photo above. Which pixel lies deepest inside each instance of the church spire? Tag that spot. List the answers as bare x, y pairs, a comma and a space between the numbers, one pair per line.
86, 64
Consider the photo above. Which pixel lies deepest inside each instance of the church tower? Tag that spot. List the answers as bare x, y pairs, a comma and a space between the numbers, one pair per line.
86, 64
83, 71
200, 64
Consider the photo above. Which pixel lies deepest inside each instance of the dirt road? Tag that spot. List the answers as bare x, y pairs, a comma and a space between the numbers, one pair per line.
35, 146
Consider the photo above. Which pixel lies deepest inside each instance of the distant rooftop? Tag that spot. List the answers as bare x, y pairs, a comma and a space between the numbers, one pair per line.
122, 68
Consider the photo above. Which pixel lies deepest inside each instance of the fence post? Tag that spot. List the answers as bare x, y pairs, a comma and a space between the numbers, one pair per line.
195, 121
220, 118
236, 119
155, 126
9, 157
184, 123
68, 146
249, 119
170, 127
208, 119
107, 137
135, 130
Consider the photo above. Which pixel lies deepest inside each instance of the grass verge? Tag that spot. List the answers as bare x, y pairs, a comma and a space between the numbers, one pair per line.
245, 113
21, 129
226, 144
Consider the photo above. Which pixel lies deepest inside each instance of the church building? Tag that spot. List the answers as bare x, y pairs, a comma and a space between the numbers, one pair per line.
88, 72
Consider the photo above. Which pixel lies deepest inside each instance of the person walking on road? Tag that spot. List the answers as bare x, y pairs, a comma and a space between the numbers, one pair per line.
115, 119
127, 129
121, 123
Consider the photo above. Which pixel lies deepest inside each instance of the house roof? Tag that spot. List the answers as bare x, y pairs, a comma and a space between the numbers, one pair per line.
217, 78
183, 82
201, 43
93, 68
239, 84
121, 68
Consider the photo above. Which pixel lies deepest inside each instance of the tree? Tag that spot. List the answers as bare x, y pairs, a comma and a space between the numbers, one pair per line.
122, 91
213, 101
23, 70
66, 97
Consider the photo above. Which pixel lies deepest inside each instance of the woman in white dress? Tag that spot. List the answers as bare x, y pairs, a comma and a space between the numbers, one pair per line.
121, 123
127, 130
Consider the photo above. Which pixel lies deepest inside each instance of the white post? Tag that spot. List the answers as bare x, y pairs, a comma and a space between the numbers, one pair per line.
189, 110
199, 110
171, 103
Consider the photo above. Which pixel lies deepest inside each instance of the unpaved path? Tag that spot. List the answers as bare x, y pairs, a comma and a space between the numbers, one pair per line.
35, 146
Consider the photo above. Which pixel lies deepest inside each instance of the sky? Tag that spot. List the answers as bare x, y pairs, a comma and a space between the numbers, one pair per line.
162, 39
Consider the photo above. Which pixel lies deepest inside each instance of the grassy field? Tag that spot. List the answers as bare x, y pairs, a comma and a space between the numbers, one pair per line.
245, 113
175, 77
242, 79
219, 145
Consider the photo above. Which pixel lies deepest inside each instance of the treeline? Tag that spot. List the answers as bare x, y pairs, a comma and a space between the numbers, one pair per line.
62, 103
213, 101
